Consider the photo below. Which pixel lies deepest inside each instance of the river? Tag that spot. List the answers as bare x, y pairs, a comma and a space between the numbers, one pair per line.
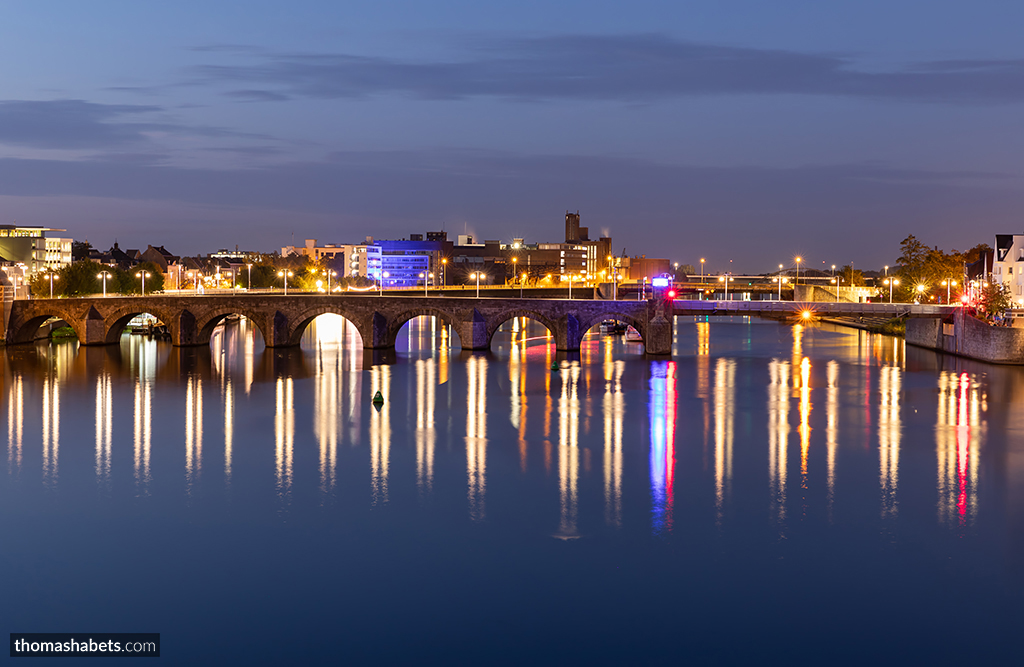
770, 492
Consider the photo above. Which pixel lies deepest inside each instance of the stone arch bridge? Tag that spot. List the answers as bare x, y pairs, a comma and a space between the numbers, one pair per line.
282, 319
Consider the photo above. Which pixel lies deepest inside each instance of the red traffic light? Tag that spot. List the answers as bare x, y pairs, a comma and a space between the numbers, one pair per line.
671, 294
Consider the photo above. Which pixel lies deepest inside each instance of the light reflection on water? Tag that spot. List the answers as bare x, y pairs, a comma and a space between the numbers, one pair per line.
830, 431
333, 364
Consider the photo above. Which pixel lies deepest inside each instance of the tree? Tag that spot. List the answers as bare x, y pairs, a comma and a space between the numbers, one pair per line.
131, 281
78, 279
850, 277
994, 299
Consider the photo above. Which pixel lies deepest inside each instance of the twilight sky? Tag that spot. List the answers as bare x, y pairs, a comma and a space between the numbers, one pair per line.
727, 129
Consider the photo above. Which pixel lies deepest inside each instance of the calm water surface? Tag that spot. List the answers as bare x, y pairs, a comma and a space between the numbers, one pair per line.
769, 493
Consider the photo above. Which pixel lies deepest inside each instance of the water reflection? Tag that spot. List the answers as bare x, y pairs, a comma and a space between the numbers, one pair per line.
569, 450
104, 428
663, 439
51, 429
614, 409
476, 435
380, 434
958, 433
832, 430
322, 388
778, 435
426, 384
889, 438
193, 431
725, 417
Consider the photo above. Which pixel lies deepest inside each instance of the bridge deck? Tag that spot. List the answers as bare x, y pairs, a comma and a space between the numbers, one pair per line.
818, 308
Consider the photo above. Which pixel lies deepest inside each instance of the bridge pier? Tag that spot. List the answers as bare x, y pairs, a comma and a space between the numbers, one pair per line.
473, 332
658, 338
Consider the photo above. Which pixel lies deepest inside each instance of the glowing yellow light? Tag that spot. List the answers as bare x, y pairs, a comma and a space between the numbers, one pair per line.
806, 314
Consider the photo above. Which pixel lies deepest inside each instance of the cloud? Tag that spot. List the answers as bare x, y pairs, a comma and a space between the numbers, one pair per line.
625, 68
70, 124
81, 125
257, 95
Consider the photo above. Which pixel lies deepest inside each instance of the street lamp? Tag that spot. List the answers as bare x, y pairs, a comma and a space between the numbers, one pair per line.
798, 260
425, 276
833, 270
514, 272
701, 270
478, 275
890, 282
330, 274
382, 276
920, 291
285, 275
947, 284
522, 284
444, 271
248, 285
51, 276
727, 277
143, 275
104, 275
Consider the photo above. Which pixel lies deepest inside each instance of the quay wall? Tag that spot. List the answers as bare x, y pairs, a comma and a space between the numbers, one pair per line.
967, 336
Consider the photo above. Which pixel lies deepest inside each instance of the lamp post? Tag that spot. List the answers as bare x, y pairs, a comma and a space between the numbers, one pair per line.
382, 276
522, 284
104, 275
947, 284
701, 270
476, 275
726, 278
51, 276
798, 260
248, 285
285, 275
330, 274
833, 270
920, 291
890, 282
425, 276
444, 271
514, 272
143, 275
886, 270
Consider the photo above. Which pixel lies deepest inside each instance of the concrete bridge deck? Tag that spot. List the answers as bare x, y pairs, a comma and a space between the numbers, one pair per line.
785, 309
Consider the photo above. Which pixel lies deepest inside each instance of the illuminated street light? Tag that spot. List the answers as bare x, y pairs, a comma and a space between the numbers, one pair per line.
920, 291
701, 270
285, 275
444, 271
947, 284
143, 275
522, 284
890, 282
248, 285
104, 275
798, 260
51, 276
330, 274
478, 275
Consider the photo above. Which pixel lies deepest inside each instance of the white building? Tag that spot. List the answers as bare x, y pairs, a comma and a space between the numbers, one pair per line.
1008, 263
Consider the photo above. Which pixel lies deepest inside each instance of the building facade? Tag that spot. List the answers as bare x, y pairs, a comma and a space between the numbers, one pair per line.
30, 246
1008, 263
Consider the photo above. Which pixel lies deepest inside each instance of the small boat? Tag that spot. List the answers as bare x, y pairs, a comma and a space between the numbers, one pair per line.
632, 335
613, 327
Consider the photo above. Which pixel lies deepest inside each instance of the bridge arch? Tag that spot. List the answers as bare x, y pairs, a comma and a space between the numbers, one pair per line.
587, 324
297, 324
25, 330
396, 323
558, 333
117, 320
208, 321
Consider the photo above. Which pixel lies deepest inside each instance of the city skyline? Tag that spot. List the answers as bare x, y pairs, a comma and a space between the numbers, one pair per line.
739, 132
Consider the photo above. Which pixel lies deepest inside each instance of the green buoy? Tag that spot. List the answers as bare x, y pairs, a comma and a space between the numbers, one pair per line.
554, 366
378, 398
